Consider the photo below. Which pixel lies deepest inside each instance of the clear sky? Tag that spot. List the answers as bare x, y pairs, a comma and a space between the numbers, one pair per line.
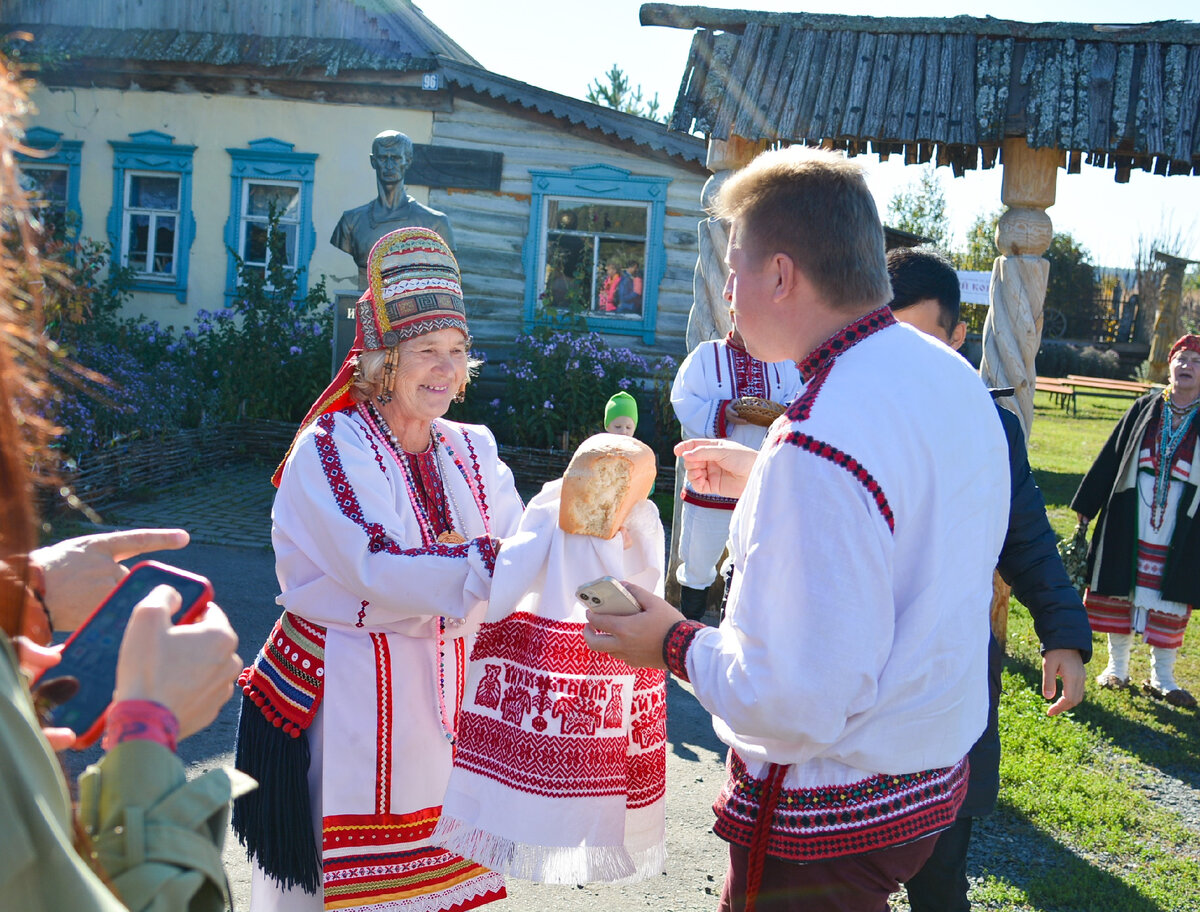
563, 45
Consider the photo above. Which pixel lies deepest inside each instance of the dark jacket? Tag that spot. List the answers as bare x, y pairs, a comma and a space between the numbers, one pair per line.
1103, 492
1029, 562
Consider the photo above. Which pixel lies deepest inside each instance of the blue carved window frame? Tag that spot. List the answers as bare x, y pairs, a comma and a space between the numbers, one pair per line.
62, 154
270, 160
154, 152
598, 182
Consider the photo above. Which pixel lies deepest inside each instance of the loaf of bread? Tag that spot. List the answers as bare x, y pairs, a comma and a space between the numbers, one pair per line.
608, 475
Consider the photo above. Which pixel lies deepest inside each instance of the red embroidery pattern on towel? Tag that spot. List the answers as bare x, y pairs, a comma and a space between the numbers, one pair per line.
548, 716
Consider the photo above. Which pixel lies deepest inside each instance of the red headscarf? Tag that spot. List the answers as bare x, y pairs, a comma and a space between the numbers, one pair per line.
1191, 341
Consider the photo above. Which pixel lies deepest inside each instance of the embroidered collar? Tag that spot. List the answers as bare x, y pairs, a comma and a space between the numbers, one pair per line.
736, 346
844, 339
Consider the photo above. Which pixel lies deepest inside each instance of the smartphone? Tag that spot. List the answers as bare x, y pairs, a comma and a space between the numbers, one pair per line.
90, 654
607, 596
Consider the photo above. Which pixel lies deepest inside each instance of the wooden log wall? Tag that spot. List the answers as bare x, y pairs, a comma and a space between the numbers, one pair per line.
490, 227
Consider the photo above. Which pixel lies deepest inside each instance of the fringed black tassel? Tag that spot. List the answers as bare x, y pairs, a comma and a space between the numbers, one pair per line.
274, 821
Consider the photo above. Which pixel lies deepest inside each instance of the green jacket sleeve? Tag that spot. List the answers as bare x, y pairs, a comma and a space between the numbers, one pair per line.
157, 835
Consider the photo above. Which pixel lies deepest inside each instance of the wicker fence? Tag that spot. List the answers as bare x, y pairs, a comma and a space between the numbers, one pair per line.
134, 469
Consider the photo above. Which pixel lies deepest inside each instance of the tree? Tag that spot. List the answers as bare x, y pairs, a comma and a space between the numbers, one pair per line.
920, 208
980, 251
615, 91
1071, 288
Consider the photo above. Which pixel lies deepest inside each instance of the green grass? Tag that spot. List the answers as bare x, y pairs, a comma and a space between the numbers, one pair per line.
1077, 793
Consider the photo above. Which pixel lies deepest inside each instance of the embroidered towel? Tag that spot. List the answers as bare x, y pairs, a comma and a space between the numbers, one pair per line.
560, 767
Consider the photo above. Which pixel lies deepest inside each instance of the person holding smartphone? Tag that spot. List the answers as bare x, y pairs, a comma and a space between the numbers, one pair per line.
385, 531
849, 674
170, 682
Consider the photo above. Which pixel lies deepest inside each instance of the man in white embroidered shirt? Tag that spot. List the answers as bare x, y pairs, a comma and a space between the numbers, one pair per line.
849, 675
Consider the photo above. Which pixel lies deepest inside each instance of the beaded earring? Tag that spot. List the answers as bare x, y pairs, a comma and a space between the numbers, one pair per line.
390, 362
461, 395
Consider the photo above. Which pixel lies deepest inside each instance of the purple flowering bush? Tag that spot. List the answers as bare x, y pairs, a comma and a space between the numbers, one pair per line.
557, 383
266, 355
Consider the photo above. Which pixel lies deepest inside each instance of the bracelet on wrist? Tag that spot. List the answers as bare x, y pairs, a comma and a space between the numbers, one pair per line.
140, 720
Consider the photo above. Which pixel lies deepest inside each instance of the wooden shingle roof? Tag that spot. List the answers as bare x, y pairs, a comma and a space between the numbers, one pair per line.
357, 34
950, 90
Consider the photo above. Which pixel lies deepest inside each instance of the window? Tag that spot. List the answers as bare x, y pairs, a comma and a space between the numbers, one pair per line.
269, 177
151, 222
595, 246
150, 234
259, 200
50, 175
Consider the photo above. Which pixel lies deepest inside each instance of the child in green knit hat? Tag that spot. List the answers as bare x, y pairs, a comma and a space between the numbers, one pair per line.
621, 414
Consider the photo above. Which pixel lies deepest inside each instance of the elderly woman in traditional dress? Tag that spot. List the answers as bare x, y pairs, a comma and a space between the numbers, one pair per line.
1142, 561
385, 531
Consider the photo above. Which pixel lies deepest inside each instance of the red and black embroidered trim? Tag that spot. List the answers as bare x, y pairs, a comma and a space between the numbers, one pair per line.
487, 550
477, 472
720, 424
816, 824
850, 464
343, 492
802, 407
676, 644
710, 501
845, 338
749, 374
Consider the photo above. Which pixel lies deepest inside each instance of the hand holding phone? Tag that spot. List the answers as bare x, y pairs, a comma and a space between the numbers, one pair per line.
188, 668
91, 654
607, 596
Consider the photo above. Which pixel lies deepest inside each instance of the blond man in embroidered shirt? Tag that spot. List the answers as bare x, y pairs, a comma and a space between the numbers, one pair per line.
849, 674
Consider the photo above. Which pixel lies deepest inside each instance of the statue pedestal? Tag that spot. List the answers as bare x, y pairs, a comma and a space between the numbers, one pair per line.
344, 326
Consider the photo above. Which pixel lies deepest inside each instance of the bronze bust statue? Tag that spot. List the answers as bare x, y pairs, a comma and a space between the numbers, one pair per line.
359, 228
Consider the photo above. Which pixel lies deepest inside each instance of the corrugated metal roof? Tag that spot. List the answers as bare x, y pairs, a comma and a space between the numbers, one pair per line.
951, 90
629, 127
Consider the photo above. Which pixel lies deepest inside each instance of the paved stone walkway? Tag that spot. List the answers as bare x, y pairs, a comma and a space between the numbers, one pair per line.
230, 507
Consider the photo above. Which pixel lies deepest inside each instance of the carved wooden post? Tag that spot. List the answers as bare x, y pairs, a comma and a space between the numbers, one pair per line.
1012, 331
1167, 324
709, 316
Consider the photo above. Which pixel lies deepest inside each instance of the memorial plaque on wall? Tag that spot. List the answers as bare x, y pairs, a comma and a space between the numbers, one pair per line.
448, 166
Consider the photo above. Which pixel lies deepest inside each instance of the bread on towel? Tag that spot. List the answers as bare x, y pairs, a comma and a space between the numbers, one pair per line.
607, 476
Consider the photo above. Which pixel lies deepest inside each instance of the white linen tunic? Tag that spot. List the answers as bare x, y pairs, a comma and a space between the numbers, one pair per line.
350, 557
855, 640
712, 375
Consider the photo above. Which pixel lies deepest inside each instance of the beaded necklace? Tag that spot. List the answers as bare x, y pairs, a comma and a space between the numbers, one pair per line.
379, 424
449, 537
1168, 442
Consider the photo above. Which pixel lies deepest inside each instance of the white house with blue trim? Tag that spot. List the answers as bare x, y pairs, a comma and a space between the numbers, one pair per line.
172, 130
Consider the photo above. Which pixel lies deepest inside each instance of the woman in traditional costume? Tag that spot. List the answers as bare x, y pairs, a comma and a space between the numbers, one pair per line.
385, 532
1145, 485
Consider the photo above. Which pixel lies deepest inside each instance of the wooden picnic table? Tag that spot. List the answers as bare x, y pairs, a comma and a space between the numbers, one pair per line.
1108, 384
1061, 393
1064, 390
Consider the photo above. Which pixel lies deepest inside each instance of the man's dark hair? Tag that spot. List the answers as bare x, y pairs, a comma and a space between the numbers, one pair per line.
919, 273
